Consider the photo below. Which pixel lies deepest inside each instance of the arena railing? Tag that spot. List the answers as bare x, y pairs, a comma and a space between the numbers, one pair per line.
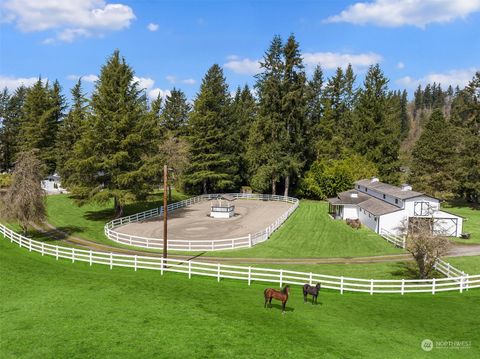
198, 245
247, 274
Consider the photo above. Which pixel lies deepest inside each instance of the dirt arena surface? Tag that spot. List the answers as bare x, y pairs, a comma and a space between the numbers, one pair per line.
193, 222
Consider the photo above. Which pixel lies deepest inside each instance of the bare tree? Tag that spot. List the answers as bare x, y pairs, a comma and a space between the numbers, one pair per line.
174, 152
24, 201
425, 245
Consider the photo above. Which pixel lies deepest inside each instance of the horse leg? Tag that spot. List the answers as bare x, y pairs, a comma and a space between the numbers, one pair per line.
283, 306
270, 302
265, 304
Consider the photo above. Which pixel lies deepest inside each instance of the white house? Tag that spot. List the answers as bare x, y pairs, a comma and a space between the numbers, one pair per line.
52, 184
386, 208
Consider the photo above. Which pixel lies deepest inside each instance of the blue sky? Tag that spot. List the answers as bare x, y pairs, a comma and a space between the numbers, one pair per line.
173, 43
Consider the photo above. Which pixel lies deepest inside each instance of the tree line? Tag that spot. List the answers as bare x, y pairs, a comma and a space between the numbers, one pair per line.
290, 133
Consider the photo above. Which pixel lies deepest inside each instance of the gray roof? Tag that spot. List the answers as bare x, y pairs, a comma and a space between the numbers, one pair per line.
227, 197
385, 188
377, 207
346, 198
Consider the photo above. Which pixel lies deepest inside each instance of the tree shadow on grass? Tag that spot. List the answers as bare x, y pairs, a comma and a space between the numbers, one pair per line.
406, 270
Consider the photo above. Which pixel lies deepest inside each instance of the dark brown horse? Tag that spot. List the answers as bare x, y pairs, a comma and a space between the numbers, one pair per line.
281, 295
310, 289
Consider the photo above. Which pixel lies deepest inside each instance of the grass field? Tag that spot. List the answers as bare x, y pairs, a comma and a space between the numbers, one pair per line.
470, 264
56, 309
471, 222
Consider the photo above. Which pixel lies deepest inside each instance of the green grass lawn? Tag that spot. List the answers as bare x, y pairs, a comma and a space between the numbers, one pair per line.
471, 222
470, 264
56, 309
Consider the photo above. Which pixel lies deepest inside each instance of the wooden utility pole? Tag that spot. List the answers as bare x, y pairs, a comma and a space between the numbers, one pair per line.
165, 180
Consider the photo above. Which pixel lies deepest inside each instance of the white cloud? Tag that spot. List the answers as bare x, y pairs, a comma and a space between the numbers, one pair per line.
332, 60
173, 80
153, 93
394, 13
400, 65
244, 67
147, 84
86, 78
144, 82
152, 27
71, 19
460, 77
12, 83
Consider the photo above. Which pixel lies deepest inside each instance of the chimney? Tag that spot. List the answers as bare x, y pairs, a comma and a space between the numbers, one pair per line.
406, 187
374, 179
354, 195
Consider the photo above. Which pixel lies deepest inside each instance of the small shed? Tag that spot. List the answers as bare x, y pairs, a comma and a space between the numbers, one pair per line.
222, 206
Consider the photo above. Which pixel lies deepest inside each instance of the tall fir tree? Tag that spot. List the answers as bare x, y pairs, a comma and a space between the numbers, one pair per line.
71, 129
264, 150
42, 113
109, 159
175, 113
314, 114
212, 167
404, 118
377, 129
434, 157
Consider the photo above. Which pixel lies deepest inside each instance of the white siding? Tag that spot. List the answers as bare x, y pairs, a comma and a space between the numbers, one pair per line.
367, 219
393, 222
410, 204
350, 211
448, 224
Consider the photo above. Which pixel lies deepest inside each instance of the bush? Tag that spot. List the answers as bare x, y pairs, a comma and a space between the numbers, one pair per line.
5, 180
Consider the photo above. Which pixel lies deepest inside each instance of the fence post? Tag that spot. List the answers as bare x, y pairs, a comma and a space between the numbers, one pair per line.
250, 240
43, 249
218, 272
402, 290
433, 286
281, 277
73, 255
461, 284
91, 257
135, 262
341, 284
310, 279
371, 286
448, 269
249, 275
56, 252
29, 245
189, 269
233, 246
111, 260
467, 282
161, 265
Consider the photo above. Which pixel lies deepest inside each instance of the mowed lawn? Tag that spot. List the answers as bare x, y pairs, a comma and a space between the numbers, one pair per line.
59, 309
311, 232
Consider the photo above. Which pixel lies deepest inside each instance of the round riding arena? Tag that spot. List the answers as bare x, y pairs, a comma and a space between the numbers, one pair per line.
191, 226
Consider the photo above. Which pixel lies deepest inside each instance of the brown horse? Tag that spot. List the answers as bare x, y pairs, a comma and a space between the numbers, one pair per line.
310, 289
281, 295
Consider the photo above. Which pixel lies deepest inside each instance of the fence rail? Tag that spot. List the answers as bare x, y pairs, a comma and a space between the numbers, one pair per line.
248, 274
198, 245
396, 240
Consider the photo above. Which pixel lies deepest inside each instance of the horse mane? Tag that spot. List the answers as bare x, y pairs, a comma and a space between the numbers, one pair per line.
284, 290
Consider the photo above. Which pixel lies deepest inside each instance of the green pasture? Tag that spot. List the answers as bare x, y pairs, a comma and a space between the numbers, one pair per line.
59, 309
471, 221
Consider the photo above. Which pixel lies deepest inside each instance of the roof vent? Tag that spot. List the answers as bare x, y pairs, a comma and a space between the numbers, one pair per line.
374, 179
406, 187
354, 195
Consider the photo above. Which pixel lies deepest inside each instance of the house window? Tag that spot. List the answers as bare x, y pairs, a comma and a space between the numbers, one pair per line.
422, 208
369, 215
366, 189
396, 200
384, 196
358, 186
375, 219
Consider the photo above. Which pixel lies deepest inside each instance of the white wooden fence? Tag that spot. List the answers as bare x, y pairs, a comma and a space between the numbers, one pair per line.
198, 245
248, 274
396, 240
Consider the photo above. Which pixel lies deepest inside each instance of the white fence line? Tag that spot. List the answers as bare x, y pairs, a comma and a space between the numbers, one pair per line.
396, 240
198, 245
248, 274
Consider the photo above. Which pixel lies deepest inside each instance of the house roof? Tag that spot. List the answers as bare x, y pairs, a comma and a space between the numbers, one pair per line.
226, 197
377, 207
386, 188
346, 198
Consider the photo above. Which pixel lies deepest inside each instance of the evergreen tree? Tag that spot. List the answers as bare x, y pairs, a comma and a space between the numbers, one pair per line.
175, 113
466, 118
71, 129
244, 111
212, 166
264, 151
294, 109
434, 156
4, 101
404, 118
377, 129
314, 114
109, 159
41, 115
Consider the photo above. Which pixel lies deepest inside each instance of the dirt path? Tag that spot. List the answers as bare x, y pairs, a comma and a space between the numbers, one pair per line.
54, 233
